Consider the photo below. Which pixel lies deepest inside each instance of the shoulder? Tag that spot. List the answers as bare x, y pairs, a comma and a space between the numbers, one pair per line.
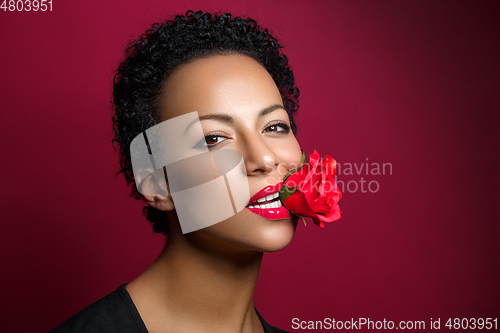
109, 314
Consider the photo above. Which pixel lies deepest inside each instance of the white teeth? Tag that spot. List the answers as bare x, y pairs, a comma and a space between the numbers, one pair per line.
274, 204
269, 197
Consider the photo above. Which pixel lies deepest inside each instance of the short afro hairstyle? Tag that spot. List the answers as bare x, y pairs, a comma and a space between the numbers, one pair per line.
151, 58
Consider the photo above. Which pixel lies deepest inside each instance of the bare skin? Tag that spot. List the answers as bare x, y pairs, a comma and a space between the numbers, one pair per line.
204, 281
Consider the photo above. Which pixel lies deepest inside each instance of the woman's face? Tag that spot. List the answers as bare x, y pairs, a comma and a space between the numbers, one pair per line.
237, 89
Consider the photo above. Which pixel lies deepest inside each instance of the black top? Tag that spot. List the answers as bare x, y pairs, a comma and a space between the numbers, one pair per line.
117, 313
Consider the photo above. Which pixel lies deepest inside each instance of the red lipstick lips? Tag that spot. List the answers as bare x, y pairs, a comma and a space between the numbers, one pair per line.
271, 213
265, 192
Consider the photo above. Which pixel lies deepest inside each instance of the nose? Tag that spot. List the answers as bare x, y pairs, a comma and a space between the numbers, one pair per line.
258, 157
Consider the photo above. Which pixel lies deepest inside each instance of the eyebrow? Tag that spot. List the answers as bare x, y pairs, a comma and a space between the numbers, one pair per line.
228, 119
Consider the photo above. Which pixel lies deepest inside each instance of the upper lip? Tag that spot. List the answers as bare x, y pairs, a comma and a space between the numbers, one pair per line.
266, 191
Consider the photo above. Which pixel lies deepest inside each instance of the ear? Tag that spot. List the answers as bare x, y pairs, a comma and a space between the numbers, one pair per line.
156, 194
160, 202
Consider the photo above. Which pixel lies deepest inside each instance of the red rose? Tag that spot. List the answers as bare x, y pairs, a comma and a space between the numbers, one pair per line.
311, 191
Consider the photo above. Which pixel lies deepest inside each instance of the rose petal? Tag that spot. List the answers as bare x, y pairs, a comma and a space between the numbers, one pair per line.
297, 203
314, 158
310, 188
329, 164
321, 206
329, 188
298, 177
334, 215
312, 171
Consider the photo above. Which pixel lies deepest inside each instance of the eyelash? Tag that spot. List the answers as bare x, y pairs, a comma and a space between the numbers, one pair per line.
221, 135
282, 124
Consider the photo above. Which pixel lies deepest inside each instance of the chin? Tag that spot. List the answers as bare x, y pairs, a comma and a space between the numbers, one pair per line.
248, 232
260, 234
276, 236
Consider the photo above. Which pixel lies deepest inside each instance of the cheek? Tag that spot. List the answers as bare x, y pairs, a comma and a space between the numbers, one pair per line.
290, 154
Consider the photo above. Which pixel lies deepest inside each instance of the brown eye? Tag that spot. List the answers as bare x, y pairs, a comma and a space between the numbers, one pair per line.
211, 139
278, 127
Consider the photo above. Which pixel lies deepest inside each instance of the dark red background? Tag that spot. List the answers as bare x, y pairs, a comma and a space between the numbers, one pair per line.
411, 83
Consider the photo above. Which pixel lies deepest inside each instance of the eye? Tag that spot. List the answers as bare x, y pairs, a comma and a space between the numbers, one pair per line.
211, 140
280, 126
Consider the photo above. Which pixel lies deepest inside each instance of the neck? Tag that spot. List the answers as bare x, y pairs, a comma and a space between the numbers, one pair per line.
197, 283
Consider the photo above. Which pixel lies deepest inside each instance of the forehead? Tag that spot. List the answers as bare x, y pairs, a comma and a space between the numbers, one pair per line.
232, 84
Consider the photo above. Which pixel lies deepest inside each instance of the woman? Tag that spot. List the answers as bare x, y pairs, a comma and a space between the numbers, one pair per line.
232, 73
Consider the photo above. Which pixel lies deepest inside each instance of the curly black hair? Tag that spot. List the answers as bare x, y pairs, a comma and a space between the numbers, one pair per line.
151, 58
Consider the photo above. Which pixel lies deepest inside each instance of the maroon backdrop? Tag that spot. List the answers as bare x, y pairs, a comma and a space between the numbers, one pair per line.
412, 85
